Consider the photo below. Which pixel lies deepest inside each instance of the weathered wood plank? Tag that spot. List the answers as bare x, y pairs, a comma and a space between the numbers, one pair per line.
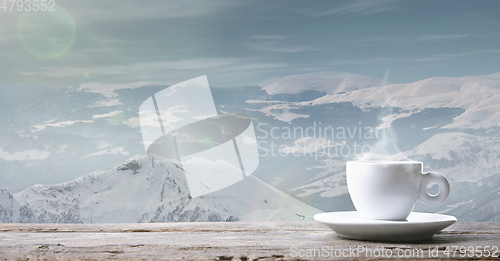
212, 241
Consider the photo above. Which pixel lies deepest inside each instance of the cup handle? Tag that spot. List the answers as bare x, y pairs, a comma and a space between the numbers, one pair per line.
444, 188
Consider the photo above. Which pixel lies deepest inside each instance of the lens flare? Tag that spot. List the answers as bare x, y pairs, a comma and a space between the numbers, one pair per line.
46, 34
118, 118
208, 142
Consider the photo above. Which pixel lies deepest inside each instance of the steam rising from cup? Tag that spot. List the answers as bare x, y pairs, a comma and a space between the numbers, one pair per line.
386, 147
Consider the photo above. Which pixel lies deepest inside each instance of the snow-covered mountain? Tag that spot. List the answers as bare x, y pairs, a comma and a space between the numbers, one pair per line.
470, 163
326, 82
451, 124
144, 190
461, 157
479, 96
484, 208
60, 134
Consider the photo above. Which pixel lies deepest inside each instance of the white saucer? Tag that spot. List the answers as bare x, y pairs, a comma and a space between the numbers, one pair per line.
417, 226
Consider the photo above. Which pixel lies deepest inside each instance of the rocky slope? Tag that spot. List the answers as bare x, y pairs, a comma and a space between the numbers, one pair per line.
144, 190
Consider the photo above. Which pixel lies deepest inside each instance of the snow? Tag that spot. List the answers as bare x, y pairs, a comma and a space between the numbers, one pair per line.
453, 206
309, 145
281, 112
103, 144
106, 115
61, 124
289, 116
327, 187
109, 102
133, 122
254, 200
478, 95
330, 182
117, 150
466, 158
62, 148
459, 156
204, 176
389, 119
32, 154
108, 90
144, 190
327, 82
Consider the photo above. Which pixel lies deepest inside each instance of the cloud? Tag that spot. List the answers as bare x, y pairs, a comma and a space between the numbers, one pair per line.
269, 37
407, 39
144, 10
362, 7
277, 47
444, 57
440, 37
144, 70
429, 58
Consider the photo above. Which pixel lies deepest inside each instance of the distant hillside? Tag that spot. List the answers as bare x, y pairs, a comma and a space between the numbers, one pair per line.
143, 190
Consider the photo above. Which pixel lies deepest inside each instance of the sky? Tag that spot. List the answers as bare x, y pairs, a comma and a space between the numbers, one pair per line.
238, 43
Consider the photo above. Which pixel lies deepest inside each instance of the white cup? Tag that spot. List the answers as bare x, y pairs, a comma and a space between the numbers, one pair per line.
388, 190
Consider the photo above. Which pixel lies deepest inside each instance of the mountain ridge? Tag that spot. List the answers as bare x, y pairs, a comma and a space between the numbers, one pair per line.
326, 82
144, 190
66, 136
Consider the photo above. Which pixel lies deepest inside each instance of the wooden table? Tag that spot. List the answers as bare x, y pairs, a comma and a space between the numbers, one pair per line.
228, 241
